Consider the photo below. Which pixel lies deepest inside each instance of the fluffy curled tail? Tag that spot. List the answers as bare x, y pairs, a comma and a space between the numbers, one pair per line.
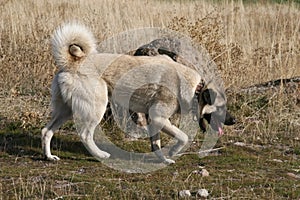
71, 43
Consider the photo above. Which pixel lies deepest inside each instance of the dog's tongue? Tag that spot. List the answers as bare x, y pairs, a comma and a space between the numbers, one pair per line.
221, 132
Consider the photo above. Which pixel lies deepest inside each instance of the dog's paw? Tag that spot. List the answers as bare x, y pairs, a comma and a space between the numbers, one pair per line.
168, 161
162, 158
52, 158
104, 155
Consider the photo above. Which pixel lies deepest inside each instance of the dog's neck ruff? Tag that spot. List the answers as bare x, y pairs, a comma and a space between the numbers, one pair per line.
195, 104
199, 88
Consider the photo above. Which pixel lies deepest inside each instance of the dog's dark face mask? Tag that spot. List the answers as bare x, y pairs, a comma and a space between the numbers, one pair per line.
212, 109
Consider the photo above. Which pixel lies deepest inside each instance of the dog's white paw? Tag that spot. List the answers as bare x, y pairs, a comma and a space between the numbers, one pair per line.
104, 155
169, 161
52, 158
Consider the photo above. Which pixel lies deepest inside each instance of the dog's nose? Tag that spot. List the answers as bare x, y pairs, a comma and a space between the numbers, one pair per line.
233, 120
229, 119
230, 122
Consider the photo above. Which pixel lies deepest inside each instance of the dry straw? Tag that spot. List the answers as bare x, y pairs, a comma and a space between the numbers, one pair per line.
250, 43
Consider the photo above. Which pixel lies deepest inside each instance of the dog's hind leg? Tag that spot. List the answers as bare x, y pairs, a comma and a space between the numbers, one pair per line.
60, 115
87, 138
89, 123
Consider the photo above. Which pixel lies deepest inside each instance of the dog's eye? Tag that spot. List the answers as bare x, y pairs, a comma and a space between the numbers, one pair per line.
220, 111
221, 108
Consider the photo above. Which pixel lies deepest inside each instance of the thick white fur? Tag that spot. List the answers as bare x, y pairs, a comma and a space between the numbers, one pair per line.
73, 93
66, 35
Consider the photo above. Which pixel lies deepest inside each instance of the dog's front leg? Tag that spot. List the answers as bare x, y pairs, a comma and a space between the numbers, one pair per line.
156, 143
156, 148
179, 135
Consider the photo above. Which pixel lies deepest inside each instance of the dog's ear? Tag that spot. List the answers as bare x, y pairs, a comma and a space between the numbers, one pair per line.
209, 96
172, 55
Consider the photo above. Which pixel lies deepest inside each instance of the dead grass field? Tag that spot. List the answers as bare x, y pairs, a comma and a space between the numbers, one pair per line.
250, 43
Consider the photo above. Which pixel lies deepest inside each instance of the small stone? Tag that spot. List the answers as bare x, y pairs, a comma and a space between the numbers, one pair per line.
204, 173
240, 144
184, 193
258, 138
277, 160
81, 171
202, 193
175, 173
295, 176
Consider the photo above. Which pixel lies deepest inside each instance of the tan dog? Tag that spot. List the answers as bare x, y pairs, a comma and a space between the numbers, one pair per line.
214, 109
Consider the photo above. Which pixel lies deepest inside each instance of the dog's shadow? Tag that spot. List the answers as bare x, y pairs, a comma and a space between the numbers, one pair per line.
20, 142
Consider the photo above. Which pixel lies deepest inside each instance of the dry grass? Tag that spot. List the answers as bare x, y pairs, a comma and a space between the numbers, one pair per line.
250, 43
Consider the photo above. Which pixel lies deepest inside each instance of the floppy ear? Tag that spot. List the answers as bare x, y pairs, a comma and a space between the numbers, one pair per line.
209, 96
208, 109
